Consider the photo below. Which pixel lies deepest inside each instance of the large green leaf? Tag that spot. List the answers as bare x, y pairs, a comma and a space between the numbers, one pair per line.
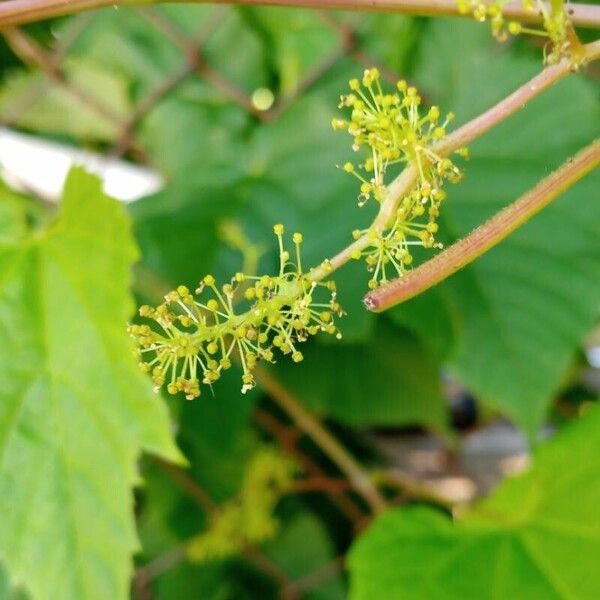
75, 412
523, 308
536, 537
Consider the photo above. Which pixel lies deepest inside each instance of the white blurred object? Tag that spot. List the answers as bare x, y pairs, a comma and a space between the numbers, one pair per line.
593, 356
455, 489
29, 163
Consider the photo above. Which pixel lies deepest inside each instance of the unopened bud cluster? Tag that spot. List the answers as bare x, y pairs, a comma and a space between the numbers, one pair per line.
193, 338
395, 130
249, 517
554, 21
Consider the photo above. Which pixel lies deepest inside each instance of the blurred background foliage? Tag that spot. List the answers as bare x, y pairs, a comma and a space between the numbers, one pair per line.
173, 88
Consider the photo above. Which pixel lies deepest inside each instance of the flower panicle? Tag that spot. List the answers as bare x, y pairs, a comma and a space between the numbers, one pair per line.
193, 338
249, 517
555, 24
396, 129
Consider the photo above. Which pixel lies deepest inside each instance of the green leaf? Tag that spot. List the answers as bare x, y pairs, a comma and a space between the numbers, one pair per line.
390, 381
303, 547
248, 70
6, 592
13, 216
432, 319
537, 536
61, 111
133, 47
177, 231
524, 307
203, 135
390, 41
295, 42
75, 411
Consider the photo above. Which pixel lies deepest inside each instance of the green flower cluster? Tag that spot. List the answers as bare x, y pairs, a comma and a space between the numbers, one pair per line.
395, 131
193, 338
248, 518
554, 20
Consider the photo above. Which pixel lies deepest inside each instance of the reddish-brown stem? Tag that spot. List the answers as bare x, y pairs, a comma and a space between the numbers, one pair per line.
19, 12
298, 588
499, 227
320, 484
287, 437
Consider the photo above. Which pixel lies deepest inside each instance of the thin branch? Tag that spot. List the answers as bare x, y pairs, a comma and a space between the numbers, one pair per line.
320, 484
286, 438
314, 579
359, 479
19, 12
188, 485
146, 574
498, 228
411, 488
263, 563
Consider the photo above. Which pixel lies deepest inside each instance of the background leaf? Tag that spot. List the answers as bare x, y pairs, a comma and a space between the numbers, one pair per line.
302, 548
394, 383
537, 536
525, 306
47, 113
